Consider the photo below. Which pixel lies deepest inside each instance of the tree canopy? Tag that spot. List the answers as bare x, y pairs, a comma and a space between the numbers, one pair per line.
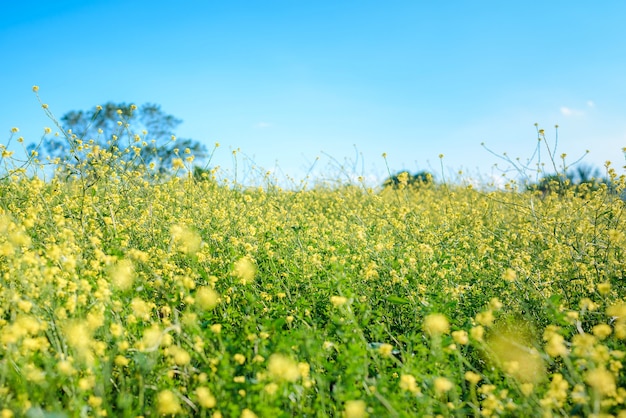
405, 178
120, 126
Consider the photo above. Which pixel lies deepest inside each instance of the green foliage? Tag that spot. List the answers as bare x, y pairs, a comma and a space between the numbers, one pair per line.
406, 179
127, 292
119, 126
580, 181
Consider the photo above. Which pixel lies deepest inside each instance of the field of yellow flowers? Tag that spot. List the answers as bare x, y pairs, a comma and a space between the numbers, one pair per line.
129, 293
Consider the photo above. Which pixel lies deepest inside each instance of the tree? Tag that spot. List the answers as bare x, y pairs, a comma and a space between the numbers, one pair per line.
407, 179
120, 126
583, 179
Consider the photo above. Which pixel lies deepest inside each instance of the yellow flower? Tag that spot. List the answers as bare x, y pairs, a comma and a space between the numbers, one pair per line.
436, 324
65, 367
385, 349
485, 318
604, 288
245, 270
177, 163
509, 275
247, 413
338, 300
602, 381
122, 274
477, 332
121, 361
460, 337
180, 356
602, 331
168, 403
239, 358
206, 298
281, 367
141, 308
442, 385
152, 338
408, 383
472, 377
186, 240
205, 398
511, 353
355, 409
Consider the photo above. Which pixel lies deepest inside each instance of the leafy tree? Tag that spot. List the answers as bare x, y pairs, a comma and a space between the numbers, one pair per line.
120, 126
407, 179
583, 179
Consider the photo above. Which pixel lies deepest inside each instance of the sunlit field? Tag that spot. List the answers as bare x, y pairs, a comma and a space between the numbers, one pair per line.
126, 290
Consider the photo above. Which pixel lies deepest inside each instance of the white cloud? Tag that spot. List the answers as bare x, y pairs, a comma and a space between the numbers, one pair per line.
590, 103
262, 125
568, 111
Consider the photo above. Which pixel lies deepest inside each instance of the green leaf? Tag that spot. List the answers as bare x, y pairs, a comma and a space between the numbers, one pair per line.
397, 300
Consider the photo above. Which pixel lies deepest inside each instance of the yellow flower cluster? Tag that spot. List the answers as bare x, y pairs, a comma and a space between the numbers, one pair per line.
124, 290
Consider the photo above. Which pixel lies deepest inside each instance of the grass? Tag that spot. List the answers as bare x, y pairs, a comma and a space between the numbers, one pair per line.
124, 292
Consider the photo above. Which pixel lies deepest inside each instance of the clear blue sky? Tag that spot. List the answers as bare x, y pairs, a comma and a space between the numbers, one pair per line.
288, 81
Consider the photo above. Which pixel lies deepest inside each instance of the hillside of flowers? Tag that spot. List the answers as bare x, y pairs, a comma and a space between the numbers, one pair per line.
129, 291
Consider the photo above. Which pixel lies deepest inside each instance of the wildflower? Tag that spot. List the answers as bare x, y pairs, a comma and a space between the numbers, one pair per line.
187, 240
604, 288
206, 298
121, 361
509, 275
247, 413
122, 274
141, 308
477, 332
485, 318
555, 346
408, 383
152, 338
245, 270
65, 367
442, 385
216, 328
588, 304
602, 331
436, 324
472, 377
385, 349
271, 388
338, 300
205, 398
495, 304
557, 394
168, 403
460, 337
515, 358
239, 358
601, 380
35, 89
283, 368
180, 356
355, 409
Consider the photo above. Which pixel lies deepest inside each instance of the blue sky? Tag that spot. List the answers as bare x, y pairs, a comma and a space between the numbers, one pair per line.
289, 81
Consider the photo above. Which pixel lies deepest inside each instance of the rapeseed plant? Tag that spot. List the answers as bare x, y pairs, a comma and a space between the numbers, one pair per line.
128, 291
